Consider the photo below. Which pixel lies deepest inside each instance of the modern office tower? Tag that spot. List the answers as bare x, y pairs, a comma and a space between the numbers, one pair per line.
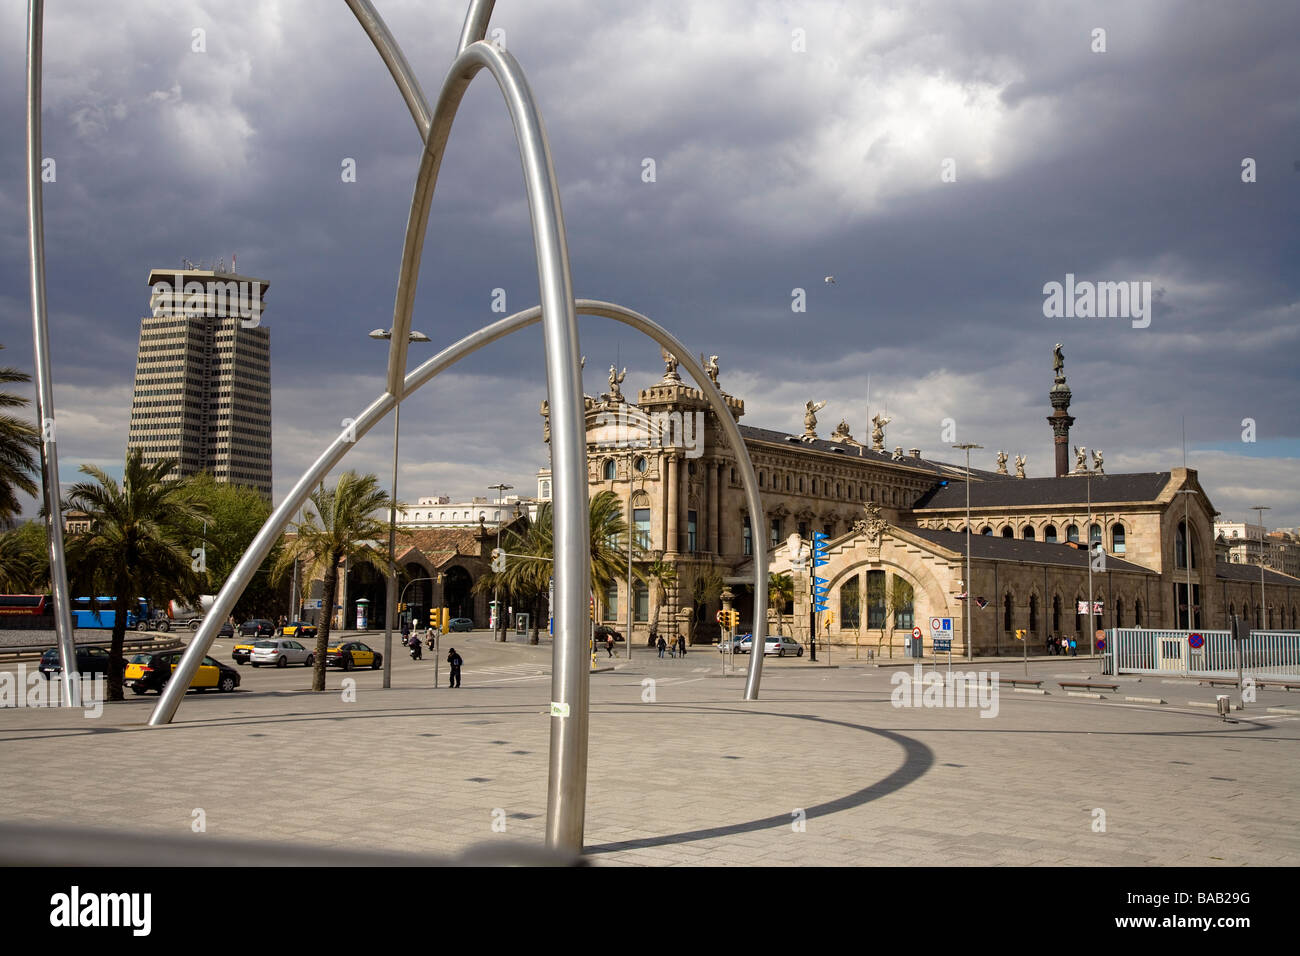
203, 377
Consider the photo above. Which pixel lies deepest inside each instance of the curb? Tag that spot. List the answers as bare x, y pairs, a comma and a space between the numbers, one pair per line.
1084, 693
1282, 710
1030, 690
1145, 700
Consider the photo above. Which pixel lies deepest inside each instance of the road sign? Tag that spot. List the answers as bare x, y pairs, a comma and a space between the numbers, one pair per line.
1195, 640
942, 644
1101, 643
936, 624
916, 633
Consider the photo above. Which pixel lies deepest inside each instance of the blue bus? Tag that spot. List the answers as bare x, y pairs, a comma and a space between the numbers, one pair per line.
84, 616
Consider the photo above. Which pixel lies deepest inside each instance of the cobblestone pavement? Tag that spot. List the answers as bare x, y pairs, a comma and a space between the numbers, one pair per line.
823, 769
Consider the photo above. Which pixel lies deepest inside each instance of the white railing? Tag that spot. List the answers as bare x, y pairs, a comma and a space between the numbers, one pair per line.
1264, 654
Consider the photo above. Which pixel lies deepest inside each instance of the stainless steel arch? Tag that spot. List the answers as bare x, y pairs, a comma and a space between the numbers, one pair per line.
70, 693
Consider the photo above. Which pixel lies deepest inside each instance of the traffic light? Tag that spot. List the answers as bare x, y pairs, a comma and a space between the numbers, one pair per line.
498, 560
446, 619
734, 619
819, 558
591, 605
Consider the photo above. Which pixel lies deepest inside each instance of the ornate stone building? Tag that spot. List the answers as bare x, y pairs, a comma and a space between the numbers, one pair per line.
897, 526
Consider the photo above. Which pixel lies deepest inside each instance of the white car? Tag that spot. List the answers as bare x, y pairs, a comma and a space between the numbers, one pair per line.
280, 652
781, 646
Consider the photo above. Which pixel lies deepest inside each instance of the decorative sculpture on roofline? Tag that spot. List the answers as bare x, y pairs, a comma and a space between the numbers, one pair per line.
615, 381
670, 366
1021, 461
1097, 462
878, 432
810, 419
1080, 460
1002, 463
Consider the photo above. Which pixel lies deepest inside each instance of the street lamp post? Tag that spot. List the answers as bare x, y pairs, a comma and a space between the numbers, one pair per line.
391, 599
1092, 620
1263, 545
500, 489
967, 446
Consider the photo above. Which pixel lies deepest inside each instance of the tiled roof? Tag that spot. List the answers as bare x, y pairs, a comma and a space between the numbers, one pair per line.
995, 548
1231, 571
943, 469
1030, 492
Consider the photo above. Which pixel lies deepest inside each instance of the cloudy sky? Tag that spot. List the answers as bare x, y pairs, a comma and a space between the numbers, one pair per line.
942, 160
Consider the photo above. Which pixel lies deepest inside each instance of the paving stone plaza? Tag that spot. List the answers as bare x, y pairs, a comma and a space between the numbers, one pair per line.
823, 769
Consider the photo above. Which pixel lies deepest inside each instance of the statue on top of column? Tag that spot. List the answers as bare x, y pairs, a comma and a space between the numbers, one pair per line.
1058, 362
670, 366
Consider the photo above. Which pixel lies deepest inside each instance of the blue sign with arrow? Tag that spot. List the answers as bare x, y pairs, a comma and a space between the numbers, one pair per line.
819, 558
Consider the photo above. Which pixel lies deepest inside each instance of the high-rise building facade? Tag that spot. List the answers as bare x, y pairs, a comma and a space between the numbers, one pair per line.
203, 377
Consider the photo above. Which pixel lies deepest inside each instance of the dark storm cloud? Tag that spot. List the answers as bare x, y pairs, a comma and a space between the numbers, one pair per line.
774, 168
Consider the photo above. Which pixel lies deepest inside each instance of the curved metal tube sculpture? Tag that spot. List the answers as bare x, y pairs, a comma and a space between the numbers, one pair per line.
70, 689
558, 315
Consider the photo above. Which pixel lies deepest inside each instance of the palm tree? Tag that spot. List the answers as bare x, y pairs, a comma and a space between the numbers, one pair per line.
528, 580
24, 563
780, 592
138, 544
707, 584
20, 447
349, 527
663, 576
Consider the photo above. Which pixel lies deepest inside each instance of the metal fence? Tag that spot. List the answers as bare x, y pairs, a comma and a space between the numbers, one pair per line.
1264, 654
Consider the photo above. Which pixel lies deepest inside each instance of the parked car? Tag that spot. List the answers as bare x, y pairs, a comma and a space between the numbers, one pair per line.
460, 624
280, 652
90, 660
299, 629
147, 672
781, 646
604, 631
227, 630
257, 627
352, 654
739, 644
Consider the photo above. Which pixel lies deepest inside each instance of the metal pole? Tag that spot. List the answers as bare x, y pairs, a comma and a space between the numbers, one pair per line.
500, 489
69, 695
1263, 604
392, 558
1092, 621
627, 638
968, 446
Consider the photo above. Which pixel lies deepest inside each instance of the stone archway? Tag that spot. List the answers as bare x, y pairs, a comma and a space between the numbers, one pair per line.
456, 595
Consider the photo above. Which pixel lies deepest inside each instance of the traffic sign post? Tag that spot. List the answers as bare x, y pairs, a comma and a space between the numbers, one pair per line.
819, 589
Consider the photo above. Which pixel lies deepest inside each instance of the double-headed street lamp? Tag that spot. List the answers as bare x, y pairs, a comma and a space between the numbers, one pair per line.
500, 489
967, 446
392, 522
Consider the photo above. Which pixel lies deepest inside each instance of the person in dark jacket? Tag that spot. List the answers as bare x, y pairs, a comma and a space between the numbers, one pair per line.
662, 645
681, 646
455, 661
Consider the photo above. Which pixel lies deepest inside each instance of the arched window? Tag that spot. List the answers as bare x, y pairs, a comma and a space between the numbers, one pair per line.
1072, 533
1137, 613
546, 489
1049, 534
640, 602
1008, 531
1181, 547
1232, 612
610, 470
1007, 606
801, 485
1033, 614
641, 465
987, 529
1119, 612
1117, 543
850, 605
837, 489
1056, 614
760, 479
442, 516
903, 598
1028, 533
1094, 534
894, 496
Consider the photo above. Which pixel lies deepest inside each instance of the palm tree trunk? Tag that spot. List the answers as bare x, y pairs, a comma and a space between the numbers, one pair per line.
328, 593
115, 645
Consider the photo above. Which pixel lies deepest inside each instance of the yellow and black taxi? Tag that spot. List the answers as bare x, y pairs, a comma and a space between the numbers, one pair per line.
244, 649
146, 672
353, 654
298, 629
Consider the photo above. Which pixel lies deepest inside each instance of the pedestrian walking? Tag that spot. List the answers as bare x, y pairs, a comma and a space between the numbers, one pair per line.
1074, 647
681, 646
455, 661
609, 644
662, 645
